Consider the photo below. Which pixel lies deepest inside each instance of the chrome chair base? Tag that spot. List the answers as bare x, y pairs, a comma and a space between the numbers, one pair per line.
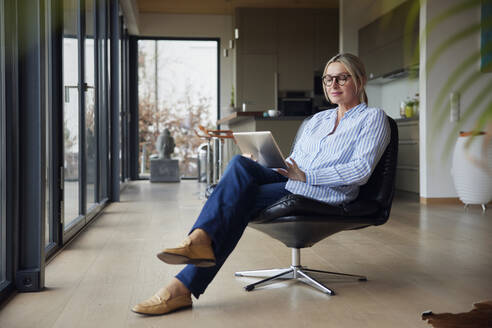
295, 271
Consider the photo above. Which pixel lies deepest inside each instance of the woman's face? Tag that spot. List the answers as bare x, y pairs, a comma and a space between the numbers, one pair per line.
342, 95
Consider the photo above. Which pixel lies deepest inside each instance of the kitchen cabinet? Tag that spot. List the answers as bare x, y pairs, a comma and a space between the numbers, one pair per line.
295, 50
386, 46
279, 50
326, 40
407, 169
257, 80
257, 30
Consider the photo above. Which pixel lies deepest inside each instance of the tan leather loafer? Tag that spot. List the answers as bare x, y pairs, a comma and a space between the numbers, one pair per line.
162, 303
200, 255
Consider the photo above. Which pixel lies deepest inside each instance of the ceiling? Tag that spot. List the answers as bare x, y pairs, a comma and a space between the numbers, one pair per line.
224, 7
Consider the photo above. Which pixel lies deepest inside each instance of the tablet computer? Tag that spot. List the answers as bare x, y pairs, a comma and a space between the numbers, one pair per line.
262, 146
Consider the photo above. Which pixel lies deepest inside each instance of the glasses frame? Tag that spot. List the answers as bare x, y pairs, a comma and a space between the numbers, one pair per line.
336, 78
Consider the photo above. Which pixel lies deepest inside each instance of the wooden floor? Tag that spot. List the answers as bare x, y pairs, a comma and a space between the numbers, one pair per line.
425, 258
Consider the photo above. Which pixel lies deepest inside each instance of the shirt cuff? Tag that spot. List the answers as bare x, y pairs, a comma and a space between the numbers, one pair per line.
310, 178
326, 176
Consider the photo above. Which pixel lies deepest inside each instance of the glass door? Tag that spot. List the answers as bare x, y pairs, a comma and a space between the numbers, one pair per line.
177, 91
70, 113
103, 96
49, 233
121, 123
90, 105
3, 219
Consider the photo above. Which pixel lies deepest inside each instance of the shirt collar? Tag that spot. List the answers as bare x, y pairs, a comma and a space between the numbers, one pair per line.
357, 109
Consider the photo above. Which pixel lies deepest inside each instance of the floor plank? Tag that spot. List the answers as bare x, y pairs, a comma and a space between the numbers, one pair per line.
425, 257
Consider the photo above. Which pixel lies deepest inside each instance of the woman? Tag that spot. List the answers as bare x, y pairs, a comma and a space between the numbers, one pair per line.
335, 154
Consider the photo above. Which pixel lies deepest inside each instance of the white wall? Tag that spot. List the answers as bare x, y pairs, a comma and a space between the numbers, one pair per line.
374, 95
435, 176
211, 26
394, 92
389, 96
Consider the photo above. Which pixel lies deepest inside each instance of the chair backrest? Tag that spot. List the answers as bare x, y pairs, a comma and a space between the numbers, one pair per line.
381, 184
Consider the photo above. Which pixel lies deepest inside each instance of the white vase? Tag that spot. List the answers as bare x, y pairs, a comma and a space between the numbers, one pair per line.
472, 170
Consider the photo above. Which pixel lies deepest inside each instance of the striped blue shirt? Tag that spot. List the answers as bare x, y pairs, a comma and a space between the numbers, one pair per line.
337, 164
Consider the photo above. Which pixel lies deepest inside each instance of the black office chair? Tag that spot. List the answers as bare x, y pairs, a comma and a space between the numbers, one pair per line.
301, 222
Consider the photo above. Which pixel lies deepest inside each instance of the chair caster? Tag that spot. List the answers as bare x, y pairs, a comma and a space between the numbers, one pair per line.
249, 288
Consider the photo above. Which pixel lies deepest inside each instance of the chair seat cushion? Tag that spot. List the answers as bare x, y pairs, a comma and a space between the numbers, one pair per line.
292, 206
301, 231
299, 222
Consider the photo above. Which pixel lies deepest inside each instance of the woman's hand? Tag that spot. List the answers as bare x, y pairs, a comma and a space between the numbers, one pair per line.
293, 171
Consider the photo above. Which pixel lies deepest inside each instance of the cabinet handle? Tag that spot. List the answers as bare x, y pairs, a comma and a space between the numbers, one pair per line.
407, 167
408, 142
275, 89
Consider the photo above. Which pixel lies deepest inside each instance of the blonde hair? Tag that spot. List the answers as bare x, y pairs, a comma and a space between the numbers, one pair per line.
356, 69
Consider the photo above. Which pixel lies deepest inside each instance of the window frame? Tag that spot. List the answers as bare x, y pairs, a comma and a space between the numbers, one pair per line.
7, 143
54, 115
3, 217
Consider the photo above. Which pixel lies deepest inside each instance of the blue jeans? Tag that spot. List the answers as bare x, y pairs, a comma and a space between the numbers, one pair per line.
243, 191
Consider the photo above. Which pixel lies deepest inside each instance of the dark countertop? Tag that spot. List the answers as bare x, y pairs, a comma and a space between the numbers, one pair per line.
238, 115
404, 119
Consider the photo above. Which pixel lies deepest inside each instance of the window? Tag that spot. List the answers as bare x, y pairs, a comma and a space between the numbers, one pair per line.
70, 112
104, 96
49, 238
124, 104
120, 102
105, 100
3, 218
177, 90
122, 96
90, 104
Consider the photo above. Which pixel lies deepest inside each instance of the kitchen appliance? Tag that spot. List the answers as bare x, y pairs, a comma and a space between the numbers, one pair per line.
295, 104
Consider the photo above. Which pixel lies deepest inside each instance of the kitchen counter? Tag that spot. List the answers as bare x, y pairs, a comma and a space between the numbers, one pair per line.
236, 117
404, 119
283, 128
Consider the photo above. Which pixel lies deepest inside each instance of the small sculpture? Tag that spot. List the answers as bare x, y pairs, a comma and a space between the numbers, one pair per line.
162, 167
165, 144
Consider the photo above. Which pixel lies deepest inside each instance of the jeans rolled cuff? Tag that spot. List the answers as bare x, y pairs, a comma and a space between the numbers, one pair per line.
194, 291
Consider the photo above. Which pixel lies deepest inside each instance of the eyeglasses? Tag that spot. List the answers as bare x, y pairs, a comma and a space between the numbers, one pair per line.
341, 79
